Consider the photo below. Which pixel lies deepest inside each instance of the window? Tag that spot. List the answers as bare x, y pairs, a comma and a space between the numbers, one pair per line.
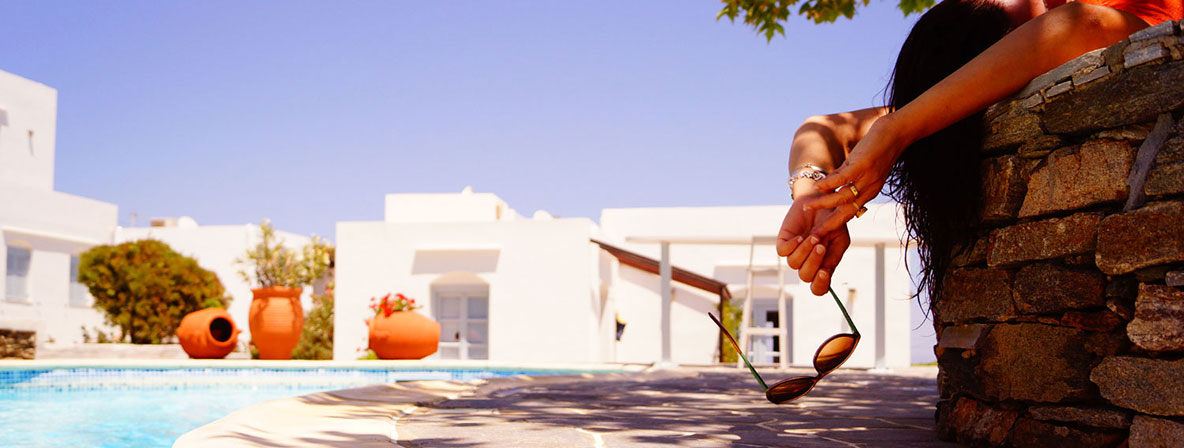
464, 324
79, 296
31, 152
16, 278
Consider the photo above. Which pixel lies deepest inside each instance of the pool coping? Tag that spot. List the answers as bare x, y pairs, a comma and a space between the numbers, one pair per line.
371, 415
364, 416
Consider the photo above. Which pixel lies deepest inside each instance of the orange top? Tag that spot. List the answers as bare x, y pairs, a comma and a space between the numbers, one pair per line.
1151, 11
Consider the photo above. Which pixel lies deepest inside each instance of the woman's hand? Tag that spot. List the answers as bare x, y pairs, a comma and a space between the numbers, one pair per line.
867, 168
814, 257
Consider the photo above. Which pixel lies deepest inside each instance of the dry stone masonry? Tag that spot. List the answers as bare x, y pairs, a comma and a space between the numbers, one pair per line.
1063, 324
17, 344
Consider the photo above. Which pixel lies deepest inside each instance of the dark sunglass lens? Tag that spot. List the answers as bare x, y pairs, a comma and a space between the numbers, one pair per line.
834, 352
789, 389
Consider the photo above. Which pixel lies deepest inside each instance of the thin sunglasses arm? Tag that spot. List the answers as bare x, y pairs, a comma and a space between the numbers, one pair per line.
844, 310
738, 352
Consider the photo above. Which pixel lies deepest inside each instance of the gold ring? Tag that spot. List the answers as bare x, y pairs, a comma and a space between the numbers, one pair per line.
854, 191
860, 209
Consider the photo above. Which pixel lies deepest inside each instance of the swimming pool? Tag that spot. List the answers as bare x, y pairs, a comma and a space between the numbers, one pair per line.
97, 406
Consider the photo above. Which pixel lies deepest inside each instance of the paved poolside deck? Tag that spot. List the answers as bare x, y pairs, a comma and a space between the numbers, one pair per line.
691, 407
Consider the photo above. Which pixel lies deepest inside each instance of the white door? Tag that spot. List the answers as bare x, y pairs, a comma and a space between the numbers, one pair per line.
464, 324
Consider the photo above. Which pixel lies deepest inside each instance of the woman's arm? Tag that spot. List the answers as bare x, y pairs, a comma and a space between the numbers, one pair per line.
1034, 48
823, 141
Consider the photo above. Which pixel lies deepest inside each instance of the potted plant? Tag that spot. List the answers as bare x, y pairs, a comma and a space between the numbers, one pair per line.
398, 332
280, 274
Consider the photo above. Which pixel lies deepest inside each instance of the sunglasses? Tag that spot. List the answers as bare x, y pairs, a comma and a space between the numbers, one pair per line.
830, 355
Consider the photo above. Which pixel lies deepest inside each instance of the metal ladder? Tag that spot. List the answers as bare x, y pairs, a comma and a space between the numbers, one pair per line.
782, 330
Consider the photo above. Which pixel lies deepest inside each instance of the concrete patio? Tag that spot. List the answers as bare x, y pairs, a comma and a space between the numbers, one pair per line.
692, 407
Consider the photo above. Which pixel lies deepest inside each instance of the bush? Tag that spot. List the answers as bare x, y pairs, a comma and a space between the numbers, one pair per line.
733, 311
316, 341
270, 263
145, 288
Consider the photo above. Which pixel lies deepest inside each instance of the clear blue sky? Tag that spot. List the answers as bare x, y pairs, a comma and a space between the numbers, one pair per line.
309, 112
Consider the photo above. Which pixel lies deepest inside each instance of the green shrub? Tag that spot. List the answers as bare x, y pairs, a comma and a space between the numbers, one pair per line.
731, 320
316, 341
145, 288
270, 263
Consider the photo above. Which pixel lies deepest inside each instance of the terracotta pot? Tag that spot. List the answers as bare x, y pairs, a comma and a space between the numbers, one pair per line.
404, 335
208, 334
276, 321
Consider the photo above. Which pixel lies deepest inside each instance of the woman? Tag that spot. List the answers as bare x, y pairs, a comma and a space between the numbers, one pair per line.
961, 56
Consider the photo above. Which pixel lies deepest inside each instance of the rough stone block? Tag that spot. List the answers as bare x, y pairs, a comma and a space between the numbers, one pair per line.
1074, 178
1045, 239
1159, 319
1090, 76
1012, 127
1132, 132
1032, 101
1132, 96
1135, 57
1095, 417
1166, 28
1040, 146
956, 373
1121, 308
1081, 64
971, 293
1103, 321
1167, 172
977, 253
17, 344
1028, 432
974, 422
1151, 432
1058, 89
1047, 288
1144, 237
1174, 278
1035, 362
1003, 184
1150, 386
964, 337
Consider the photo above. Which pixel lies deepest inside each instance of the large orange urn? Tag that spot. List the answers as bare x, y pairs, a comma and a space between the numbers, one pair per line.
403, 335
276, 321
208, 334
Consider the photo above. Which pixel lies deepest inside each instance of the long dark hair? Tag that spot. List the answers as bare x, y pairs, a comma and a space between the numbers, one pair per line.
936, 180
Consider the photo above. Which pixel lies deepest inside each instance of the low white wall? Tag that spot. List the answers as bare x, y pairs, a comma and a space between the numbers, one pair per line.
54, 226
215, 248
544, 299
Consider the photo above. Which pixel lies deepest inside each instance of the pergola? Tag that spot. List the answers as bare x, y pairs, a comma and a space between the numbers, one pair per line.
667, 273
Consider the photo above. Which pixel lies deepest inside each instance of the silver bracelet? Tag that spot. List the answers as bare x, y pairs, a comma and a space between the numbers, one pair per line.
806, 171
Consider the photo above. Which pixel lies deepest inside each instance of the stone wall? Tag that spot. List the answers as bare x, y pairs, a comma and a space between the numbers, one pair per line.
1063, 325
17, 344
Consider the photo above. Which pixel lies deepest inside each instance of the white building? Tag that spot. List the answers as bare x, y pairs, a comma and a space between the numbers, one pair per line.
514, 289
216, 248
43, 230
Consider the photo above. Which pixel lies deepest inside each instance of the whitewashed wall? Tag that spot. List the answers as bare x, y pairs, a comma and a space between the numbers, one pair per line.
544, 299
215, 248
28, 123
53, 225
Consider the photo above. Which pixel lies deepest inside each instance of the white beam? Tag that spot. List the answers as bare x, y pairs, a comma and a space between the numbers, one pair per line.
664, 272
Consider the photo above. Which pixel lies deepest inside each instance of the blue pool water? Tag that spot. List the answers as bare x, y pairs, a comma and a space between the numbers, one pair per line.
152, 407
